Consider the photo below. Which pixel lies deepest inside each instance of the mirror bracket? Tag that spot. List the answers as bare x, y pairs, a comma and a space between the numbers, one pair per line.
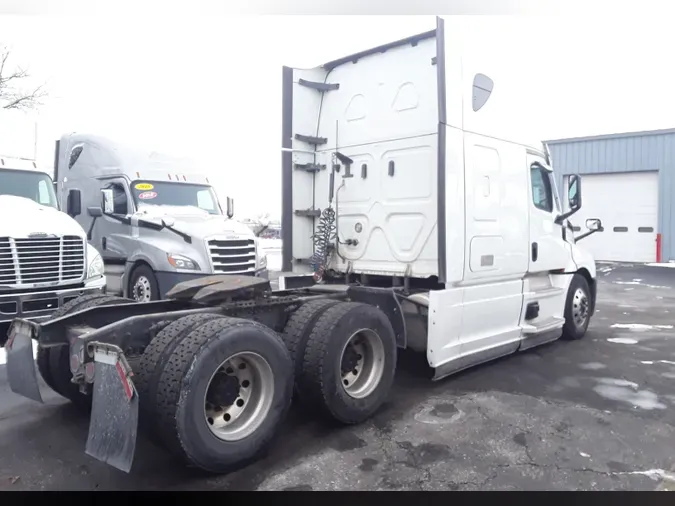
560, 219
590, 232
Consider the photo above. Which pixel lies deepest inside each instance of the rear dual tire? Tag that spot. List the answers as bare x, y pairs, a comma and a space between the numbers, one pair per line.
345, 358
153, 361
218, 390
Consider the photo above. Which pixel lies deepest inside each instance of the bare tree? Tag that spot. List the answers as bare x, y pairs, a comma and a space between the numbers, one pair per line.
15, 92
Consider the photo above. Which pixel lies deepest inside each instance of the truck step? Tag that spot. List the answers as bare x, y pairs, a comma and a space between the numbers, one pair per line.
552, 323
309, 213
310, 167
309, 139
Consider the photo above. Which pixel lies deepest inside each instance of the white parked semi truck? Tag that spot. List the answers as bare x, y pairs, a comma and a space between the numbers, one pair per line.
417, 224
45, 258
160, 222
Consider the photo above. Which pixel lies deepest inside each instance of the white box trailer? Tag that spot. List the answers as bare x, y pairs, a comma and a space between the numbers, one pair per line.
419, 222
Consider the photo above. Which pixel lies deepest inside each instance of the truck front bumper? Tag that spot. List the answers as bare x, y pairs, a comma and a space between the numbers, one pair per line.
39, 306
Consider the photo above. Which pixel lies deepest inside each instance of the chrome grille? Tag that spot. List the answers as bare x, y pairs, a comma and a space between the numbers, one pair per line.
41, 260
229, 256
7, 268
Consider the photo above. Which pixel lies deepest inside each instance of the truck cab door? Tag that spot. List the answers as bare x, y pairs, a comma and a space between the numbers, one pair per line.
548, 250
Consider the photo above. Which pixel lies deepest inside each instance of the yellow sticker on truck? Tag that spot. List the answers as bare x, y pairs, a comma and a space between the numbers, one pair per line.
144, 186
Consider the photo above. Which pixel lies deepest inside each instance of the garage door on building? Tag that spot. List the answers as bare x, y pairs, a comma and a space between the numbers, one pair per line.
627, 204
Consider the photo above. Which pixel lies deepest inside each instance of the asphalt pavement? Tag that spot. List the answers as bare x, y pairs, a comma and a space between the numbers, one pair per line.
596, 414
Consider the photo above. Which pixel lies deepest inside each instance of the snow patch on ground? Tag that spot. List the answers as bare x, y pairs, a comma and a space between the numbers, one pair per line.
592, 366
637, 282
640, 327
622, 340
650, 362
655, 474
618, 382
628, 392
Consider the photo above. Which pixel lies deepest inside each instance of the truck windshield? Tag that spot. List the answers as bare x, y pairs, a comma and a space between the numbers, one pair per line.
35, 186
161, 193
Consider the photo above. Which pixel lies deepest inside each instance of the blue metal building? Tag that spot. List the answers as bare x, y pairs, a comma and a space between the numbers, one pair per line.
628, 181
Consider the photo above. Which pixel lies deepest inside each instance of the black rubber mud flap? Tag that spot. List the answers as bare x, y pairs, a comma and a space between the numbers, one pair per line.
113, 426
21, 372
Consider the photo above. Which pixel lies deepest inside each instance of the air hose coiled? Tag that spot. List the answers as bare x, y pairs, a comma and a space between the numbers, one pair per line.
323, 242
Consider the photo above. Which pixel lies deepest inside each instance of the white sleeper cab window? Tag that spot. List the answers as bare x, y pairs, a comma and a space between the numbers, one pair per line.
74, 155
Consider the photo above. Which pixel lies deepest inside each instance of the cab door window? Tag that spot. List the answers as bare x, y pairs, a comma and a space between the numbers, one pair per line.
542, 192
121, 202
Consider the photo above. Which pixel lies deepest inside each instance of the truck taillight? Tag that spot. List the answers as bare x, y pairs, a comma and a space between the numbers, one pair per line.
74, 362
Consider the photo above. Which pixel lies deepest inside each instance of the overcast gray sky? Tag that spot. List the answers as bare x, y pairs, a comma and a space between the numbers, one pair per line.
210, 87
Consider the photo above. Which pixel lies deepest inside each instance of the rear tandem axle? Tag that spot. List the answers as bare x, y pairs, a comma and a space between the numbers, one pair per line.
215, 366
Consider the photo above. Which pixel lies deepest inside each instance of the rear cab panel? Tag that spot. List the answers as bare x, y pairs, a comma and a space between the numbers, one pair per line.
383, 114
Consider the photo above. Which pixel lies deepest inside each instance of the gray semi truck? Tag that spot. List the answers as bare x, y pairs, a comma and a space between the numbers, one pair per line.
156, 219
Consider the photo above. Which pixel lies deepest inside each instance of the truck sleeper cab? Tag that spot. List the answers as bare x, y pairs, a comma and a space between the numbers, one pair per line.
156, 220
406, 166
414, 220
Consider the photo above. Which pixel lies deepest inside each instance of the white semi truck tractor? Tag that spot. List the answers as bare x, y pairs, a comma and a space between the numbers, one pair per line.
415, 216
45, 258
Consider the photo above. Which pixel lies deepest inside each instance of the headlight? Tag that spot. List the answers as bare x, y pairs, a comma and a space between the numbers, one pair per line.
183, 262
262, 261
95, 264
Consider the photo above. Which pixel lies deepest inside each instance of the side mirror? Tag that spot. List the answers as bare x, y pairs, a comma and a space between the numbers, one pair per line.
574, 192
230, 207
95, 212
74, 205
593, 224
107, 201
